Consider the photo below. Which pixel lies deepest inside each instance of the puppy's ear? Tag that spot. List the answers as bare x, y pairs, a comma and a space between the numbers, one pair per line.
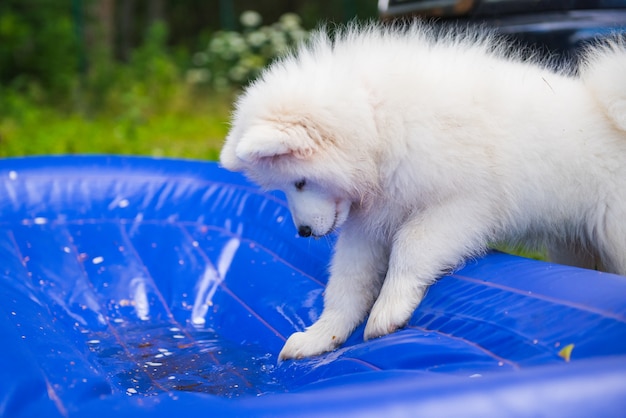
261, 142
228, 158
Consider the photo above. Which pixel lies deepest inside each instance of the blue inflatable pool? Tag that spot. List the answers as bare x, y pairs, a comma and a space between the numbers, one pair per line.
134, 287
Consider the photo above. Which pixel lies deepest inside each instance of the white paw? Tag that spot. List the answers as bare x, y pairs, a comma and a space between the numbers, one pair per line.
307, 344
393, 309
386, 318
379, 325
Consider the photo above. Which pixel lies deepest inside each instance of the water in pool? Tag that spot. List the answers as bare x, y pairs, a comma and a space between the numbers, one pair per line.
147, 359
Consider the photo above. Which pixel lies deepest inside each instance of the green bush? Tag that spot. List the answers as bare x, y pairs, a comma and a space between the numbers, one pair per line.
39, 47
148, 82
233, 59
151, 105
142, 107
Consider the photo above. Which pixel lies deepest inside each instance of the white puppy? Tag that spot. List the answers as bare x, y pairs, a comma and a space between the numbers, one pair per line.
424, 149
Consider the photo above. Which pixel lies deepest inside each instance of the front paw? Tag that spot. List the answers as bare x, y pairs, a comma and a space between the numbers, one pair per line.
393, 309
384, 320
307, 344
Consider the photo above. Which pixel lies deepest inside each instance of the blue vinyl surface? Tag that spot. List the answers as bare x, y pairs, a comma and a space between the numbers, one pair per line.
154, 288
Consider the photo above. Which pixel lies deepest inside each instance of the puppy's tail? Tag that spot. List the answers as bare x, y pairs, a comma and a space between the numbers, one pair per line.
603, 71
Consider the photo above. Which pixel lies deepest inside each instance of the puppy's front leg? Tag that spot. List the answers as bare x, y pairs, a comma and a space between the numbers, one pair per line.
356, 274
425, 247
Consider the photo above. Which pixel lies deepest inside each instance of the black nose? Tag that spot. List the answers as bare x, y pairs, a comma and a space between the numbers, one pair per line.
305, 231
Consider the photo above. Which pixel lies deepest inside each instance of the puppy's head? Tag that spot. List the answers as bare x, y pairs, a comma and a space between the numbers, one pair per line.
294, 156
306, 128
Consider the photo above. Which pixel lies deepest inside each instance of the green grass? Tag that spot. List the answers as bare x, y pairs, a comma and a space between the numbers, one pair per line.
188, 126
523, 252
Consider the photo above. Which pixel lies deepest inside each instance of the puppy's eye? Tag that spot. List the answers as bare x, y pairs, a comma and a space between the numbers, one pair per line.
300, 184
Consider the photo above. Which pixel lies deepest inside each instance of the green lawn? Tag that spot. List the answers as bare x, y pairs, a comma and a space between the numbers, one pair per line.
189, 127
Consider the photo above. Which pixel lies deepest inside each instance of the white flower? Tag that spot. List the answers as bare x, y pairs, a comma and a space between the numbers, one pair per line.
217, 44
279, 42
238, 73
298, 35
256, 38
237, 43
290, 21
250, 19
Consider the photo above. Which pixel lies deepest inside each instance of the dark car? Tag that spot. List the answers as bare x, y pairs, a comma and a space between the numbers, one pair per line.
556, 26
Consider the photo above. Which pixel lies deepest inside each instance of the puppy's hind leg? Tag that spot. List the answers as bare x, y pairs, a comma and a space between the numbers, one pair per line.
573, 254
610, 239
605, 250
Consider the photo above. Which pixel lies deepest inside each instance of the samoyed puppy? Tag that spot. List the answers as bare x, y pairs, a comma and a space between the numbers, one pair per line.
422, 147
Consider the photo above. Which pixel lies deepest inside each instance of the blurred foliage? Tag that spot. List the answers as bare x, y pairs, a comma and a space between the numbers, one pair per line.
147, 83
232, 59
143, 107
206, 16
38, 45
157, 103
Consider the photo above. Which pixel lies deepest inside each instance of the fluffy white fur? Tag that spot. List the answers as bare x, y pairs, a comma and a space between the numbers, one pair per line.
426, 148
